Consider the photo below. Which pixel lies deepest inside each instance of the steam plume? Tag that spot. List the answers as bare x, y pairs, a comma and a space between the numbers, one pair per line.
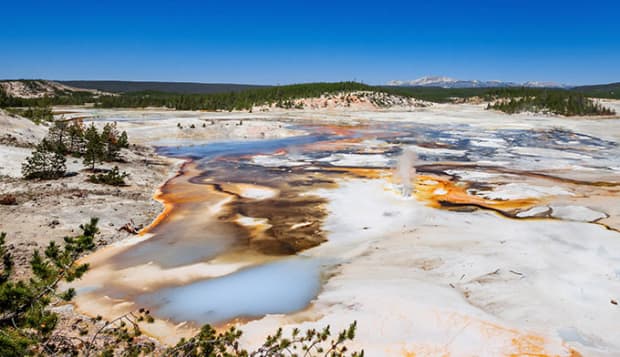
405, 171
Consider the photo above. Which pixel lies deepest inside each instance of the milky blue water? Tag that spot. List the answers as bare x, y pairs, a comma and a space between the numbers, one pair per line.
236, 148
275, 288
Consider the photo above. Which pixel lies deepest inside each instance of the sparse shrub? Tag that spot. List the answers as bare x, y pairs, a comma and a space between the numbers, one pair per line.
208, 342
113, 177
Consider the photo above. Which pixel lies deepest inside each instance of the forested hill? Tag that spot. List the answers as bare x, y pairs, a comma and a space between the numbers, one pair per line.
611, 90
166, 87
281, 96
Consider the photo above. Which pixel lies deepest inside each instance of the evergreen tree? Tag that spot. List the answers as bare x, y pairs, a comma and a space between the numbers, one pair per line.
26, 323
94, 149
44, 163
123, 141
109, 140
75, 138
113, 142
57, 135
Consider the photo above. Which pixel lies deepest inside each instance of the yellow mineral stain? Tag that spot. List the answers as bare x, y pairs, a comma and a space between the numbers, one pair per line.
521, 343
168, 207
335, 145
435, 190
369, 173
517, 343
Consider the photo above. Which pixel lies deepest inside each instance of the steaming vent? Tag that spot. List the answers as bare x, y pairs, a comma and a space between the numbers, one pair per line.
405, 172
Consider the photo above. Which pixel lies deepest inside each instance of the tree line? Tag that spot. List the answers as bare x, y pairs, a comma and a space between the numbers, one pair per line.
554, 102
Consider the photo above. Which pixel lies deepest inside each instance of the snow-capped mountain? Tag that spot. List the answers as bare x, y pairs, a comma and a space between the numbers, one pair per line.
535, 84
447, 82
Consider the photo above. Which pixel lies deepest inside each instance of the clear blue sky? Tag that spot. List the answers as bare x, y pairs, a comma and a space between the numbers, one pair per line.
270, 42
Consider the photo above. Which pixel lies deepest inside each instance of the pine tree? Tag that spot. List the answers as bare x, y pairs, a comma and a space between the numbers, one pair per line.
108, 139
75, 134
123, 141
57, 135
113, 142
44, 163
94, 150
26, 323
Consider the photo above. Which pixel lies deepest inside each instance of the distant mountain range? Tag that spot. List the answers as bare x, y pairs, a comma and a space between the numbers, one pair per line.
447, 82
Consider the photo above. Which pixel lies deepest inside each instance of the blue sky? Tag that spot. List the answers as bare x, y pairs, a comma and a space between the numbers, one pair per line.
271, 42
